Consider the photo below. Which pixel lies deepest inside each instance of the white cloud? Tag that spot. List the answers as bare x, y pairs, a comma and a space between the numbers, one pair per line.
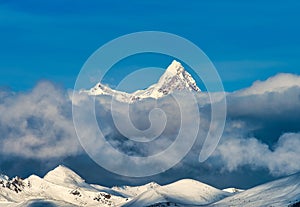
278, 83
38, 124
281, 160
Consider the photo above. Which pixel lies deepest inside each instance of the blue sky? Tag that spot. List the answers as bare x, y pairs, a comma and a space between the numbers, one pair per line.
52, 39
246, 40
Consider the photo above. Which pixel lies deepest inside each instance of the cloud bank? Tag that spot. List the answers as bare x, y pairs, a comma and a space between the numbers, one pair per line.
262, 129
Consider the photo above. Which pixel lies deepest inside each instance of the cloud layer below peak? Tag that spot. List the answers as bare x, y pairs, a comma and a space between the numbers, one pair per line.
262, 129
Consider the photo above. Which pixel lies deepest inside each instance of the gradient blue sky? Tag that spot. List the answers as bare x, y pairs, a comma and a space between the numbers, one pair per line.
52, 39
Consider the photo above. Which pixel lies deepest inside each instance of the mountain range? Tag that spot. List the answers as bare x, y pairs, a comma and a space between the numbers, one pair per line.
62, 187
175, 78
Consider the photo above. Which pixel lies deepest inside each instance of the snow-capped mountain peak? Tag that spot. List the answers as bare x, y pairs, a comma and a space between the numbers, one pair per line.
4, 177
175, 78
175, 68
62, 175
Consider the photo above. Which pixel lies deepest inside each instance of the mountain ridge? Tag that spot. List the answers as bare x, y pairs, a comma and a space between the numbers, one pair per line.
175, 78
62, 187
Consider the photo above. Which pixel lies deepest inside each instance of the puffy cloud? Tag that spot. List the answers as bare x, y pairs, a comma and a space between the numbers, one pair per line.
257, 126
37, 124
265, 116
281, 159
278, 83
261, 132
262, 127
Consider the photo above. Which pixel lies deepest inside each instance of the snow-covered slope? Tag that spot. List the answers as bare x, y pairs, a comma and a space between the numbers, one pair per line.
132, 191
183, 192
175, 78
282, 192
64, 188
63, 176
60, 187
233, 190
